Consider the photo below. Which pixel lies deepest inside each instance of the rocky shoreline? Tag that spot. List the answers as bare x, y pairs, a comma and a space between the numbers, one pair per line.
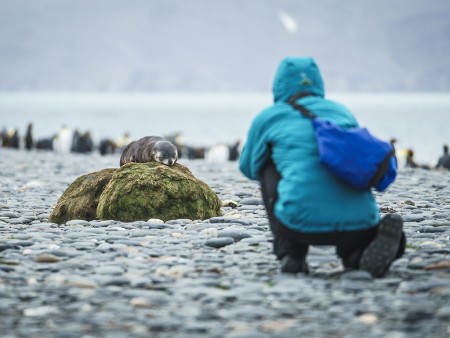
211, 278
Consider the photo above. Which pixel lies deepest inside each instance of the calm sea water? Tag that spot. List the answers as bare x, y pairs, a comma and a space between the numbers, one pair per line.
418, 121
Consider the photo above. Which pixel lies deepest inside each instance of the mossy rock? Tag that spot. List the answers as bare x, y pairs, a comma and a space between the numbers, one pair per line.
140, 191
80, 199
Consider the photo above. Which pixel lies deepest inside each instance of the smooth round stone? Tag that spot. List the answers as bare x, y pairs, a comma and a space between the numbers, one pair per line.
418, 286
219, 242
353, 285
163, 324
250, 207
114, 281
77, 235
75, 263
47, 258
135, 224
441, 223
199, 226
141, 232
47, 225
141, 302
44, 216
64, 252
109, 270
81, 282
418, 313
207, 233
141, 282
115, 239
251, 201
236, 220
242, 221
179, 221
439, 215
83, 245
357, 275
243, 194
155, 221
8, 246
220, 220
78, 222
9, 214
431, 229
20, 242
6, 269
235, 233
102, 224
156, 226
413, 218
20, 220
444, 312
94, 231
106, 247
42, 311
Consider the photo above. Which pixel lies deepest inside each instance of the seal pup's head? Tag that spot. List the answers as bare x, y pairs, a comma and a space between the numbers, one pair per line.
165, 153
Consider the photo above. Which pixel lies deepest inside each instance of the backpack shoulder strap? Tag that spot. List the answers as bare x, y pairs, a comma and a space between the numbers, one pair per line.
305, 112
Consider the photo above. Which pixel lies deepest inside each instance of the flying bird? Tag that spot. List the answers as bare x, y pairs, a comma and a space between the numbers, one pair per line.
288, 22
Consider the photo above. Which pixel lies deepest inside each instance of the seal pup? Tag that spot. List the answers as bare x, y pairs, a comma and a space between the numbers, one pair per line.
150, 149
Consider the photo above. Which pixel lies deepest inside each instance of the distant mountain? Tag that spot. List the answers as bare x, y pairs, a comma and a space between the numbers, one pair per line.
221, 45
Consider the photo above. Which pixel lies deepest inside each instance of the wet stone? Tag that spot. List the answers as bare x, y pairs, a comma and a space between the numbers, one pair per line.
113, 281
243, 194
47, 258
78, 235
109, 270
9, 214
20, 220
428, 229
444, 313
166, 282
413, 218
251, 201
141, 233
236, 233
102, 224
219, 242
4, 247
357, 275
230, 220
156, 226
78, 222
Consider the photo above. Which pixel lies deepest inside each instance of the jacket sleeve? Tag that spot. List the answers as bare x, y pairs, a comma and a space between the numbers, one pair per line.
256, 149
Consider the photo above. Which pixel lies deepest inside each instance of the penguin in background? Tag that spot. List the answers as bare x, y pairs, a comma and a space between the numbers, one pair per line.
14, 140
29, 137
63, 140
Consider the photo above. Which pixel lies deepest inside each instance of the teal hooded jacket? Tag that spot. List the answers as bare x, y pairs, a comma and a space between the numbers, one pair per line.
310, 199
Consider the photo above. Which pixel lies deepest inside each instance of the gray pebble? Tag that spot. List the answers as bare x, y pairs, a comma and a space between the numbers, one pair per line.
219, 242
162, 279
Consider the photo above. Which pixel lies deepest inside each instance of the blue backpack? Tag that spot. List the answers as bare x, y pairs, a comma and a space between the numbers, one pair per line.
353, 155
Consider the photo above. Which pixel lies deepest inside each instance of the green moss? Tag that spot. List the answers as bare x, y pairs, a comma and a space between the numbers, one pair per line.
80, 199
139, 191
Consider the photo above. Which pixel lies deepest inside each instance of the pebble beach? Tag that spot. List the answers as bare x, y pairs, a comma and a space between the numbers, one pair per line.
207, 278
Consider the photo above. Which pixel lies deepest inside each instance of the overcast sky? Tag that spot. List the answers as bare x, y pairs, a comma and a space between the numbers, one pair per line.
221, 45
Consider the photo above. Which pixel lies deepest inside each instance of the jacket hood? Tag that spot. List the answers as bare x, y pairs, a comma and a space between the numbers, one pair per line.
296, 75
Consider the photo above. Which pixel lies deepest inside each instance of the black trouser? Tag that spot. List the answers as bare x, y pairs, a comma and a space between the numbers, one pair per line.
349, 244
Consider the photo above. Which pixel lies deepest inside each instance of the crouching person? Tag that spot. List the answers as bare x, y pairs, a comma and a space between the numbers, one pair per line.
306, 205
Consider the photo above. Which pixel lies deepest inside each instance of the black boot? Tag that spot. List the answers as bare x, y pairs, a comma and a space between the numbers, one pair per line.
382, 251
292, 264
